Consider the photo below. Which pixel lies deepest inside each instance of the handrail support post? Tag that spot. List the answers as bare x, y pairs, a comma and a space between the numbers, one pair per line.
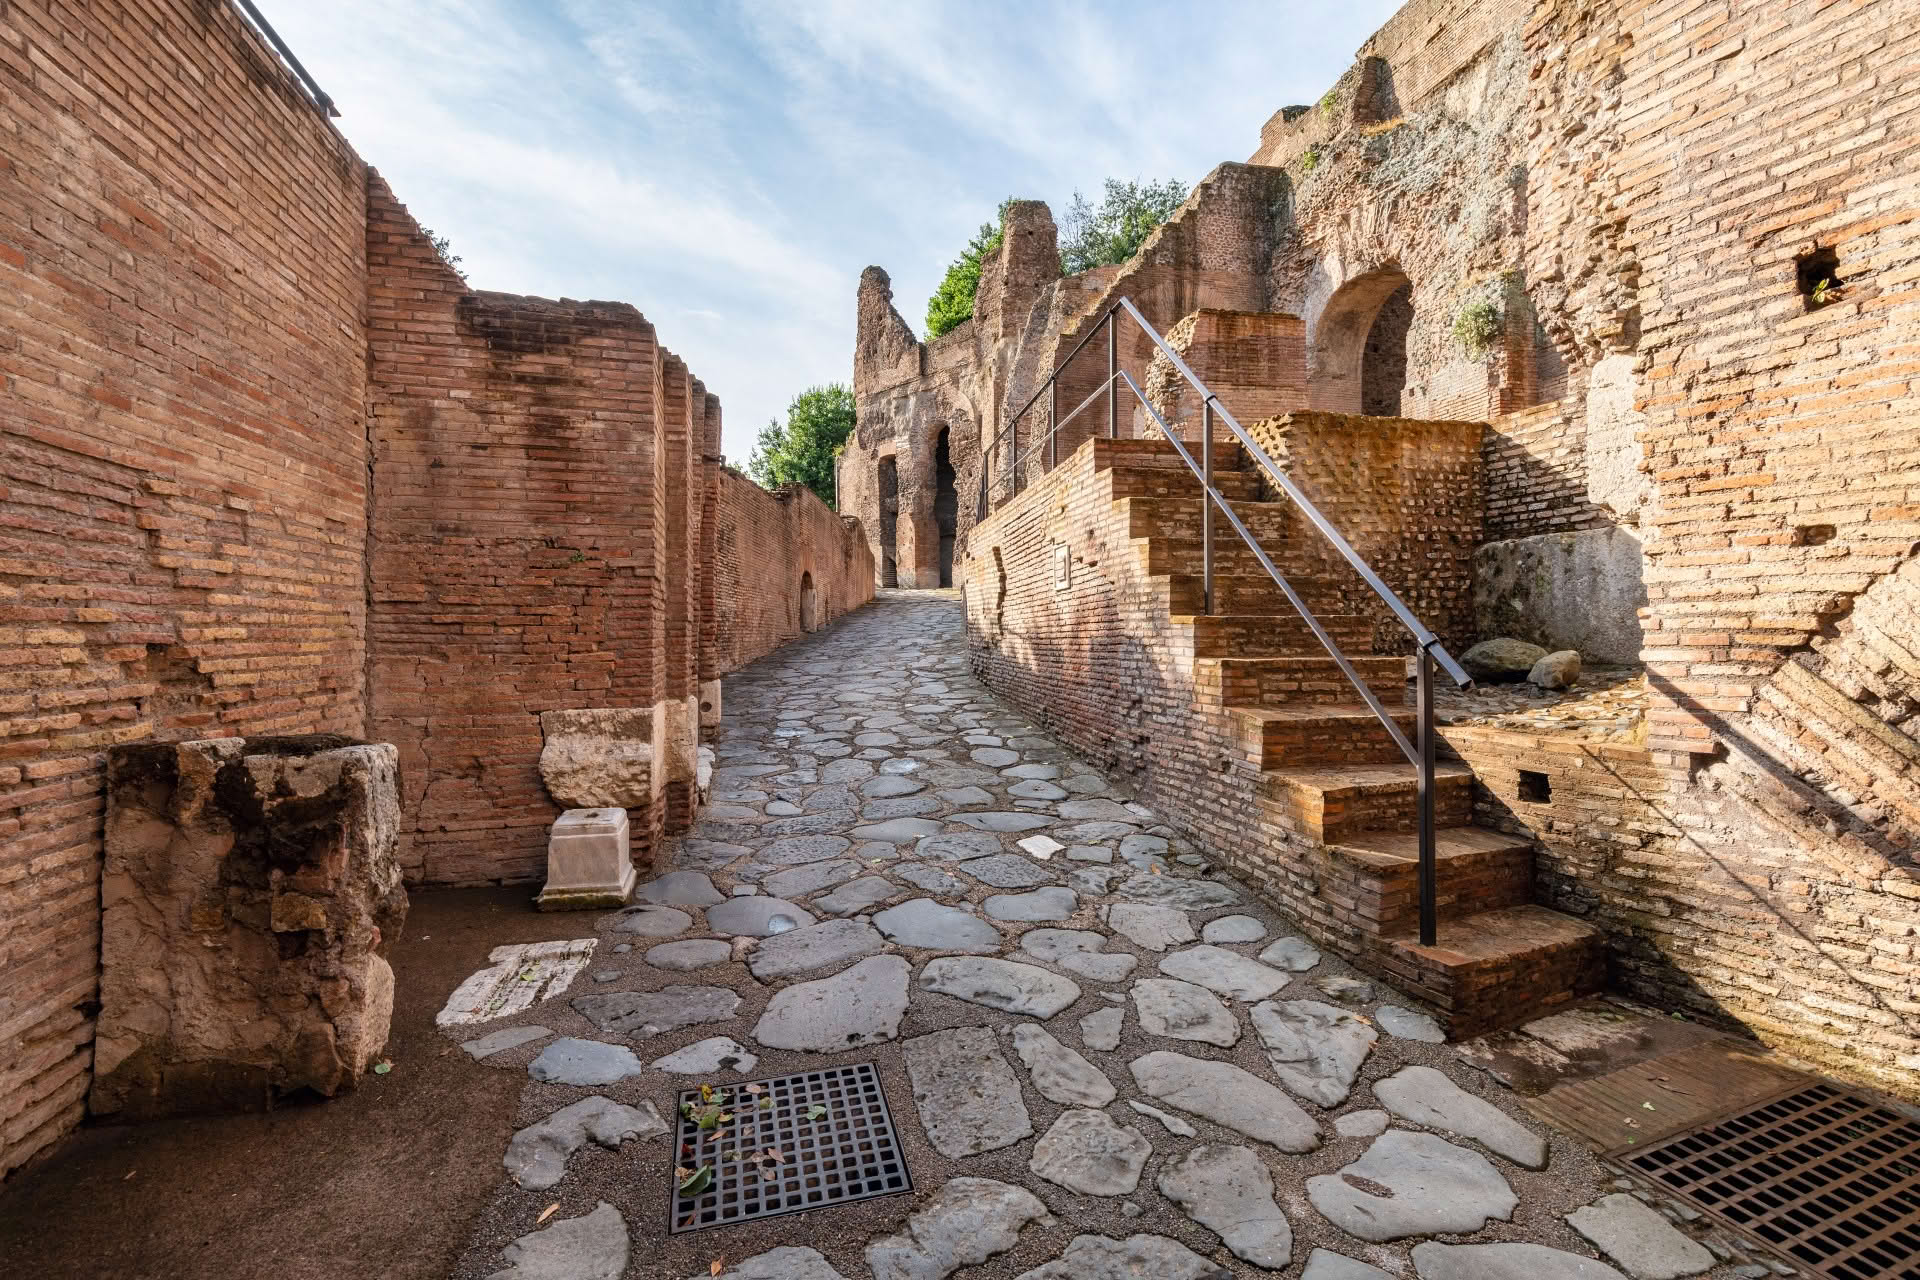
1113, 389
1206, 506
1053, 421
1429, 870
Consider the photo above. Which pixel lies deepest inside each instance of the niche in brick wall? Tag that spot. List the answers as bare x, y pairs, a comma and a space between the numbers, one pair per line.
1817, 276
1535, 787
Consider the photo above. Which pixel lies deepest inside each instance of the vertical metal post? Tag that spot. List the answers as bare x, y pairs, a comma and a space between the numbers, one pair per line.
1013, 454
1113, 381
1053, 439
1423, 711
1206, 505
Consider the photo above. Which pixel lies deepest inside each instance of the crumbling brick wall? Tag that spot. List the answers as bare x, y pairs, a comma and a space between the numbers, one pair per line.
183, 460
784, 564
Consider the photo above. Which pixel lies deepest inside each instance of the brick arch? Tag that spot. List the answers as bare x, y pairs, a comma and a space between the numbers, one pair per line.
1337, 340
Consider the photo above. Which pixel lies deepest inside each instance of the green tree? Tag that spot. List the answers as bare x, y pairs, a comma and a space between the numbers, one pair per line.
802, 449
952, 303
1112, 233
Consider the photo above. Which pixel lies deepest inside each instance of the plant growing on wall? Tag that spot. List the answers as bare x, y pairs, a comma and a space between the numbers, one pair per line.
1128, 213
952, 303
802, 449
1311, 159
443, 245
1476, 326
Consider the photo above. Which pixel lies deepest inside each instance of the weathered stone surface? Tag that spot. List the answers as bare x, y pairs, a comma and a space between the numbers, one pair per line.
1435, 1261
1003, 821
1035, 789
1228, 1096
1155, 928
967, 1221
1078, 951
537, 1154
1407, 1024
1639, 1239
1050, 903
643, 1014
1361, 1124
888, 785
1006, 985
1227, 972
857, 895
957, 846
504, 1039
1041, 847
583, 1062
681, 889
1316, 1049
929, 925
929, 879
831, 944
1041, 771
1006, 871
788, 1262
968, 1098
1228, 1190
519, 975
598, 758
1182, 1011
1350, 990
1230, 929
707, 1057
1501, 660
961, 797
798, 882
857, 1006
1138, 1257
1295, 955
589, 861
753, 917
993, 757
693, 953
1175, 891
1144, 852
1573, 590
898, 830
1426, 1097
649, 922
1086, 1151
1101, 1029
1100, 810
793, 851
1091, 882
1426, 1186
1324, 1264
1060, 1074
217, 853
592, 1247
1174, 1124
1555, 671
899, 807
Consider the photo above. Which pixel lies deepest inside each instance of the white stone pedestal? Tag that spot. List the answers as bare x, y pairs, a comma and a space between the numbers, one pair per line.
589, 864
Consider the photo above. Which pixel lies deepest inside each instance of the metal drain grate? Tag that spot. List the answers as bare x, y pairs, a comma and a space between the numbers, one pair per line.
1828, 1179
830, 1129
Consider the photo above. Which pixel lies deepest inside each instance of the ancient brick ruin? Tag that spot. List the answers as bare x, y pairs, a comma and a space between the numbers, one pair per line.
1566, 262
269, 466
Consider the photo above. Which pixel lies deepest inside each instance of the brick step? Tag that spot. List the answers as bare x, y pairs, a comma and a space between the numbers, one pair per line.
1158, 453
1291, 681
1178, 520
1164, 556
1272, 635
1249, 592
1497, 968
1335, 733
1377, 875
1178, 482
1335, 802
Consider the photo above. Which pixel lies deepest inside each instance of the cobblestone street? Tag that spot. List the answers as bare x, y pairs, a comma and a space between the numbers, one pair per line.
1102, 1062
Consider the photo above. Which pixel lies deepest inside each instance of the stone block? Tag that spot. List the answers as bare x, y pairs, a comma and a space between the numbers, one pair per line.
602, 757
249, 891
589, 861
1564, 591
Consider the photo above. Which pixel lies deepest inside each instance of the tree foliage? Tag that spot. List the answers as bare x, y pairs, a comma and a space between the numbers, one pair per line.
1113, 232
802, 449
952, 303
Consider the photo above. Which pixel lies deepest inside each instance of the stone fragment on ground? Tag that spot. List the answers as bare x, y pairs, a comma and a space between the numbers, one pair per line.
537, 1155
1435, 1261
591, 1247
860, 1005
788, 1262
965, 1090
1228, 1096
1231, 929
1228, 1190
756, 917
1361, 1124
1086, 1151
1006, 985
1226, 972
518, 976
693, 953
1412, 1184
1182, 1011
831, 944
1151, 927
1325, 1264
966, 1221
1041, 905
932, 926
680, 889
1173, 1124
1080, 952
1060, 1074
1637, 1237
1426, 1097
1407, 1024
1315, 1049
583, 1062
1295, 955
642, 1014
707, 1057
502, 1040
1101, 1029
1138, 1257
1347, 990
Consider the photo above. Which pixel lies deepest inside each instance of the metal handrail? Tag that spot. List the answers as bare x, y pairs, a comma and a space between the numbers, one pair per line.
1421, 751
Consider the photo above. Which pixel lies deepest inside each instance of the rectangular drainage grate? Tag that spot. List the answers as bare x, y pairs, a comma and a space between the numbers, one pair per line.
1830, 1180
830, 1129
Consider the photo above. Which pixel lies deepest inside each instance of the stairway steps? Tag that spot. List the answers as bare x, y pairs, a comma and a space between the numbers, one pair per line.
1269, 635
1273, 524
1328, 803
1253, 592
1309, 735
1475, 868
1236, 487
1109, 453
1497, 968
1294, 680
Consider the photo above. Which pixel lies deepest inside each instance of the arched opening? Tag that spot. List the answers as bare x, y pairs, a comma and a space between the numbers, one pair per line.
889, 510
809, 618
946, 506
1357, 355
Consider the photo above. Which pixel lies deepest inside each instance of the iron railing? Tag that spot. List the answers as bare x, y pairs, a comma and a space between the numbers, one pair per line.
1427, 647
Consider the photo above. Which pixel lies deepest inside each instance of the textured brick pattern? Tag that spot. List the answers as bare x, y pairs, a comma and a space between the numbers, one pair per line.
765, 545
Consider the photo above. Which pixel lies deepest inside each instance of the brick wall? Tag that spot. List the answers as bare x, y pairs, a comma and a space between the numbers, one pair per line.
765, 545
182, 456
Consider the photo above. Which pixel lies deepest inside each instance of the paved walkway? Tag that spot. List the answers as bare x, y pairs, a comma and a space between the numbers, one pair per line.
1102, 1061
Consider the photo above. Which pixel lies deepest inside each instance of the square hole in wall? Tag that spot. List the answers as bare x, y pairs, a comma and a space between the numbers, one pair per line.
1535, 787
1817, 276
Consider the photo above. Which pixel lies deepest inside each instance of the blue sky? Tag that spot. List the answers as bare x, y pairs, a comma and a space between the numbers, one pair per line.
730, 167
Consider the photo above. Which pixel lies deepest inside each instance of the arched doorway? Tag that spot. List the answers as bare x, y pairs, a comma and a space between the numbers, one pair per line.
946, 506
809, 617
889, 512
1357, 355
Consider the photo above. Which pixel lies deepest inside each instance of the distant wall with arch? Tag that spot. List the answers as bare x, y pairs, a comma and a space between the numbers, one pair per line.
784, 564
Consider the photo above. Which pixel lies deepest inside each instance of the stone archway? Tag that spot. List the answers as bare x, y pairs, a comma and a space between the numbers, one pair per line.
1366, 319
946, 504
809, 607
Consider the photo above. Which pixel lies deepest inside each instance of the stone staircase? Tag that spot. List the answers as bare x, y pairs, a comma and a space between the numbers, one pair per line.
1336, 800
